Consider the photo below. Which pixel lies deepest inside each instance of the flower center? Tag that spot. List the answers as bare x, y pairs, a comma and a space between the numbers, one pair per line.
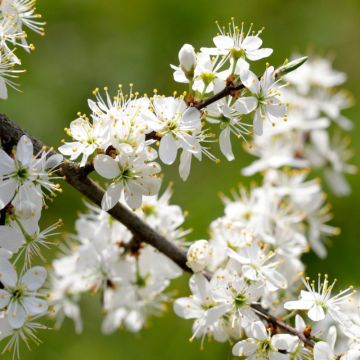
22, 173
18, 293
240, 300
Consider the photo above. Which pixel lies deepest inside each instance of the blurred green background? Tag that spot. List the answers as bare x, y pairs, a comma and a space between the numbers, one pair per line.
92, 43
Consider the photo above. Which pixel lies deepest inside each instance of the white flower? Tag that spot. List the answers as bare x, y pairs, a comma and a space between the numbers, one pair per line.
236, 44
89, 137
228, 115
319, 302
261, 345
23, 12
266, 93
24, 168
199, 255
200, 306
230, 288
180, 128
21, 296
134, 174
7, 72
207, 77
256, 266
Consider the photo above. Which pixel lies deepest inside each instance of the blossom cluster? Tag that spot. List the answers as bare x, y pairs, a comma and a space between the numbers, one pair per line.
249, 273
125, 134
15, 17
305, 140
104, 257
254, 251
25, 182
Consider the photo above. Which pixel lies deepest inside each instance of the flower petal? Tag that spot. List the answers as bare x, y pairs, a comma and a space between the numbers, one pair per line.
251, 43
168, 149
8, 275
34, 306
10, 239
316, 313
245, 105
225, 144
7, 191
24, 150
254, 55
111, 196
4, 298
34, 278
244, 348
106, 166
7, 164
16, 315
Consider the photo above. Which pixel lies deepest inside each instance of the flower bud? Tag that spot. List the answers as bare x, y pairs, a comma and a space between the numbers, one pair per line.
199, 255
187, 58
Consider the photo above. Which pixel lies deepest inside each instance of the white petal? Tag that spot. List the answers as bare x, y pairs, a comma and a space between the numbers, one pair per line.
106, 166
250, 80
8, 275
298, 305
185, 165
10, 239
223, 42
16, 315
215, 313
24, 150
192, 117
276, 278
225, 144
35, 306
251, 43
186, 308
111, 196
322, 351
7, 191
284, 342
168, 149
244, 348
7, 164
34, 278
4, 298
3, 89
258, 54
258, 123
133, 198
258, 330
300, 324
245, 105
316, 313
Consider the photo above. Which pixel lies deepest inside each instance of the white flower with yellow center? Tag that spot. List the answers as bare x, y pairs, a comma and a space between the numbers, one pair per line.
20, 297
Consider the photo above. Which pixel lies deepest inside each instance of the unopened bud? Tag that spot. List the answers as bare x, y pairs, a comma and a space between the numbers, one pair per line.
199, 255
187, 58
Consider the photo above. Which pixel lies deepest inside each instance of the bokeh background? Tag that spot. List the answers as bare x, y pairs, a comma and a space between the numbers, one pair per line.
92, 43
